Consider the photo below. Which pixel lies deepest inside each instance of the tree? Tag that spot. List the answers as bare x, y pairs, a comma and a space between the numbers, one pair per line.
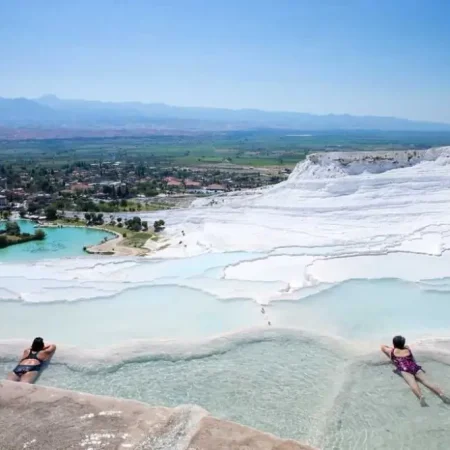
144, 225
22, 213
159, 225
51, 213
33, 207
140, 170
88, 217
134, 224
96, 219
119, 219
39, 235
12, 228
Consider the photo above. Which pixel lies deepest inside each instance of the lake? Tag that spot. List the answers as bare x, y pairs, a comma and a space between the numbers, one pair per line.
59, 243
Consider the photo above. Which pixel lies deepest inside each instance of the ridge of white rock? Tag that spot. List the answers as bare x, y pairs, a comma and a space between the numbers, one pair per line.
339, 164
341, 203
339, 216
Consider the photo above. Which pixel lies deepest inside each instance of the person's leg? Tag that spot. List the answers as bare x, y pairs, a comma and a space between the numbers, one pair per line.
432, 387
12, 377
412, 383
29, 377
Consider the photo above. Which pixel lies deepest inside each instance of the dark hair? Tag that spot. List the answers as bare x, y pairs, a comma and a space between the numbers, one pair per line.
399, 342
37, 345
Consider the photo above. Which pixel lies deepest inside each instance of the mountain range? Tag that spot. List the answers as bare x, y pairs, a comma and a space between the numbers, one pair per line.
51, 111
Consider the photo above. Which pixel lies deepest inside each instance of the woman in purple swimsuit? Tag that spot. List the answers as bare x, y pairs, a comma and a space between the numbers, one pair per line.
403, 359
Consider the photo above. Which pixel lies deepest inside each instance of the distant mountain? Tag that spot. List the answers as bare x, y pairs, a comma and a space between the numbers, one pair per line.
50, 110
20, 109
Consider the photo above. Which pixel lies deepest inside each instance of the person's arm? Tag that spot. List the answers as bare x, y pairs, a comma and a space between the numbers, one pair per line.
386, 350
49, 349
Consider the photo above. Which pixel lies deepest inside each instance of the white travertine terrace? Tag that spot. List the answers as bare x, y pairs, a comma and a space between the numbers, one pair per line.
338, 216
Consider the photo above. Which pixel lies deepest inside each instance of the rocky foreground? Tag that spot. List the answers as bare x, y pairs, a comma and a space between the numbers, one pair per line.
41, 418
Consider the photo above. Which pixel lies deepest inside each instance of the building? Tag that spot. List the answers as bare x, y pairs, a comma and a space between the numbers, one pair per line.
173, 182
3, 202
215, 188
79, 187
192, 186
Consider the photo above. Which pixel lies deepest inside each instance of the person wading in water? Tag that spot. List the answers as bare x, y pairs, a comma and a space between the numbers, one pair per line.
403, 359
33, 358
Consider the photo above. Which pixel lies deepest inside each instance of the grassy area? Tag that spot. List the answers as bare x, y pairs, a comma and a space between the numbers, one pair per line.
150, 206
138, 240
252, 147
108, 207
131, 238
253, 161
12, 239
135, 239
7, 239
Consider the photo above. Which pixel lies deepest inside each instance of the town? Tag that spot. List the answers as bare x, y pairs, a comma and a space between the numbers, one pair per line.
120, 186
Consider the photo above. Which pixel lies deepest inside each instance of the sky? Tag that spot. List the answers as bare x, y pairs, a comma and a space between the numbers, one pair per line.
377, 57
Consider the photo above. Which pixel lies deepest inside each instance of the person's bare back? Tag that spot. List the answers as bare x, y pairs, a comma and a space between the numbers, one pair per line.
30, 365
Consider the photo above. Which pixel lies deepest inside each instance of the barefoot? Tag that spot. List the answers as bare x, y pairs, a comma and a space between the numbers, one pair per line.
423, 402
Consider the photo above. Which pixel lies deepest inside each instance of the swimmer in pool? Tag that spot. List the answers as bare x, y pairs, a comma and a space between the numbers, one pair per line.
31, 362
406, 365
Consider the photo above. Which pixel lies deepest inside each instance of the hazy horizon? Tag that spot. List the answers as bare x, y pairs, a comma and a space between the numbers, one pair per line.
94, 100
359, 58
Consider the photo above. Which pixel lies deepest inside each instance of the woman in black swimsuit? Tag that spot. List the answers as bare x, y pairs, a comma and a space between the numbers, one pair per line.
31, 362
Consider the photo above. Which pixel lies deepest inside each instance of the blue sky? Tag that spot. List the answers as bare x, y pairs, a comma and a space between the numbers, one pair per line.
320, 56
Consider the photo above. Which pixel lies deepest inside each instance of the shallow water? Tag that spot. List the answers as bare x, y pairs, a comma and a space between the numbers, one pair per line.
320, 390
370, 310
360, 311
160, 312
376, 410
59, 243
293, 386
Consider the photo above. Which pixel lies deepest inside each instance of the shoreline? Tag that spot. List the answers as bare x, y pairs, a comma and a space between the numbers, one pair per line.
110, 247
114, 247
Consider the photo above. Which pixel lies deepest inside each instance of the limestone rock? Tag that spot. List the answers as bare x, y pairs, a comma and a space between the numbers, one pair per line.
41, 418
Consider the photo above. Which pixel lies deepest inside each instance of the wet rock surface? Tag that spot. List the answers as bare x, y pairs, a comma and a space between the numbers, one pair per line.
40, 418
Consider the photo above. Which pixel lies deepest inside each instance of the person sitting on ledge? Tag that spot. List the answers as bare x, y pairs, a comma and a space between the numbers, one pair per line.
406, 365
27, 371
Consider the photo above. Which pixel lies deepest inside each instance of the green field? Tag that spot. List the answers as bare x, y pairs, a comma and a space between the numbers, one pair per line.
253, 148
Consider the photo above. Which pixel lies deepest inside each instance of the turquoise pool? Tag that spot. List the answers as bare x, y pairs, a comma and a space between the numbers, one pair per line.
59, 243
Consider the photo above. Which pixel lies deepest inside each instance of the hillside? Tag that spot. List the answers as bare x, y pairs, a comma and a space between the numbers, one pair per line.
52, 111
